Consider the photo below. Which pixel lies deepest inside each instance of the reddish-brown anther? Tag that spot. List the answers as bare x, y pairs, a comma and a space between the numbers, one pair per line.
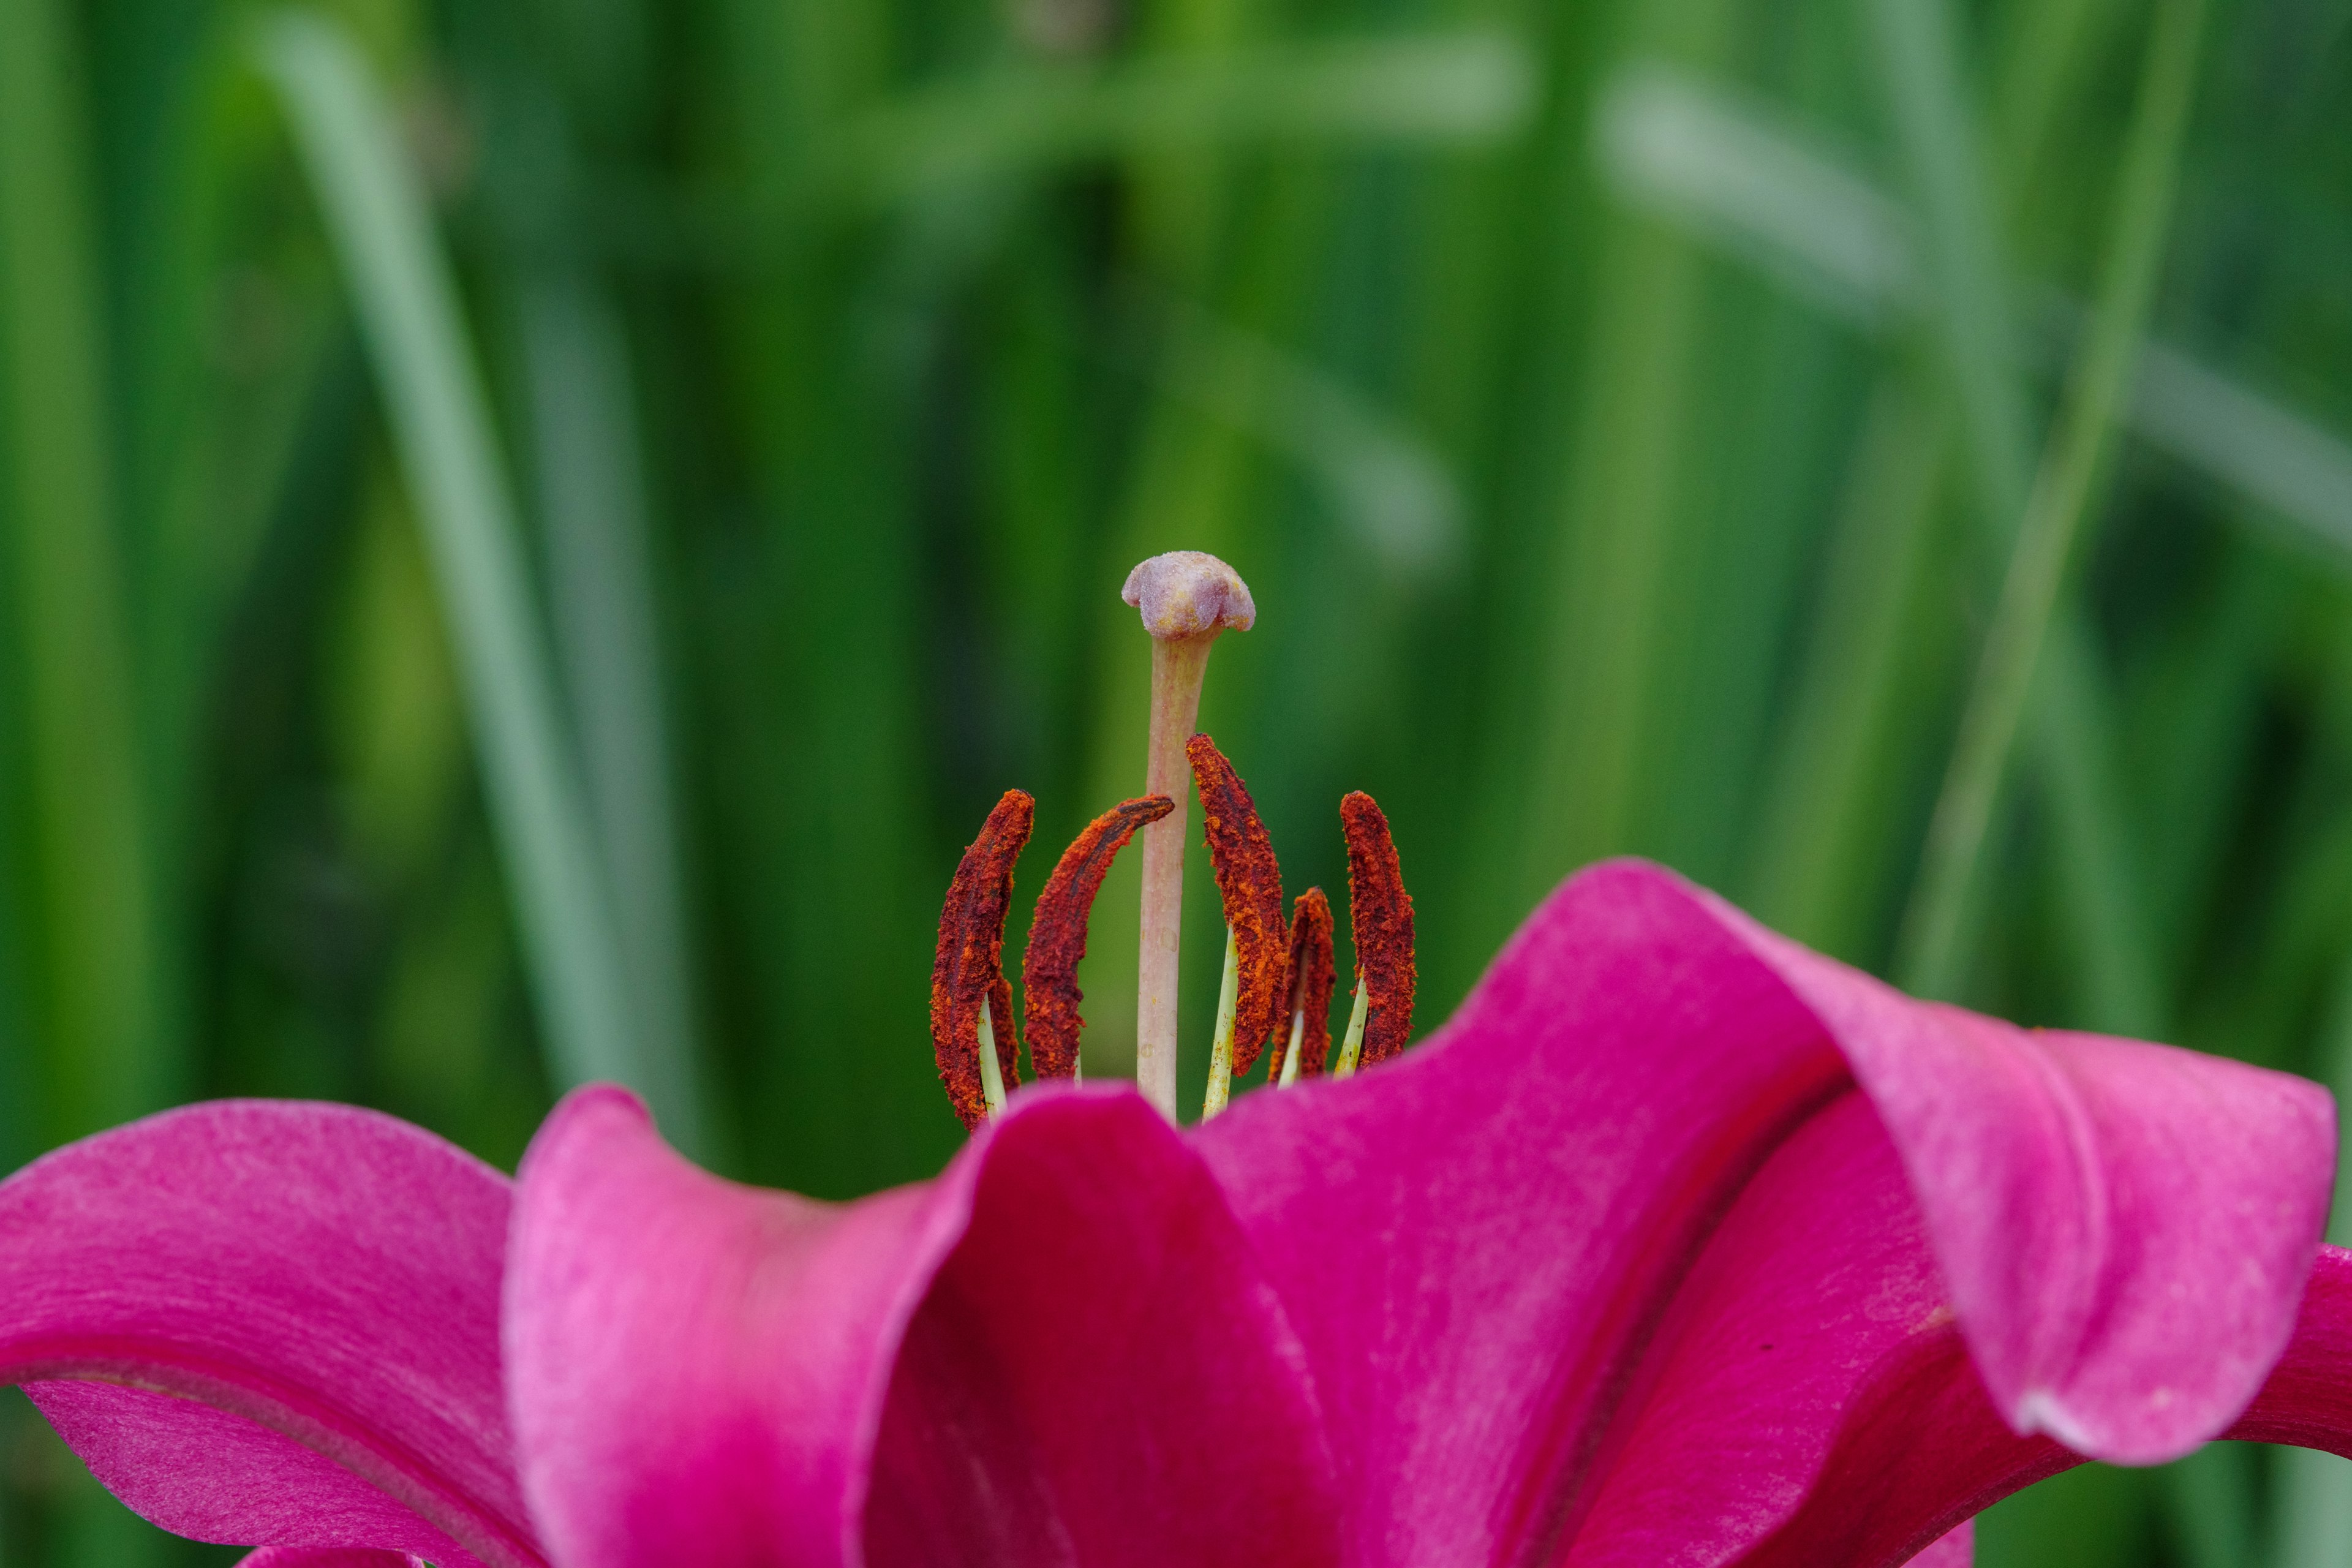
970, 964
1058, 934
1249, 881
1379, 913
1311, 979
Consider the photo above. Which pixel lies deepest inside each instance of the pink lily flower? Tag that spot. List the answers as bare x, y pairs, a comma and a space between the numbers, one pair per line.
1678, 1243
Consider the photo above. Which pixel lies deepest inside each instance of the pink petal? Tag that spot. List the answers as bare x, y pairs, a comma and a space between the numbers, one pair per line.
2124, 1228
1921, 1450
1059, 1350
317, 1280
2307, 1398
1818, 1271
1956, 1549
1923, 1445
1501, 1223
328, 1557
211, 1476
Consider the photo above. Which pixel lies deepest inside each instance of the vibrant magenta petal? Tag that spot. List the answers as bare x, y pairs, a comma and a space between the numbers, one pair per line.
1818, 1271
327, 1277
1956, 1549
1092, 1369
211, 1476
2307, 1398
2124, 1228
1923, 1445
328, 1557
1502, 1222
1921, 1449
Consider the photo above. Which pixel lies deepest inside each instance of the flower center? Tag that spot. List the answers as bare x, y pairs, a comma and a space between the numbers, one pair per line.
1278, 975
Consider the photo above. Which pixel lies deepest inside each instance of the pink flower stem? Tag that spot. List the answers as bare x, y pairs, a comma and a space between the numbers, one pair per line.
1178, 664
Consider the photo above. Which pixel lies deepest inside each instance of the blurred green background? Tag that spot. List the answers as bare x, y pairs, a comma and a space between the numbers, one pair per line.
531, 532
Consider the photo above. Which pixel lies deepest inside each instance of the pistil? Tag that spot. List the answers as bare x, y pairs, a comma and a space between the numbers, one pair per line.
1186, 599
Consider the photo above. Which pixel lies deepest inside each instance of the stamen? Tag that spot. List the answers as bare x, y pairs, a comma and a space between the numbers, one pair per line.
1379, 913
1221, 1046
1351, 1047
1249, 880
1311, 978
1058, 934
968, 971
992, 1071
1284, 1069
1186, 598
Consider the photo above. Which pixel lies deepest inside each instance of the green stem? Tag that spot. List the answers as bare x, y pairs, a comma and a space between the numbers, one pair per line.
2064, 492
1220, 1049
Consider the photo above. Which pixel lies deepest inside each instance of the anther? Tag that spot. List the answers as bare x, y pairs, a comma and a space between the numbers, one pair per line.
968, 971
1058, 934
1380, 914
1308, 1042
1186, 599
1249, 881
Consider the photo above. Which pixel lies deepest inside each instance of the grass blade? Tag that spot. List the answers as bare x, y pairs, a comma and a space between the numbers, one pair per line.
1824, 872
2073, 471
1797, 207
1723, 167
1467, 89
1381, 480
2266, 452
1470, 87
1920, 74
101, 999
2210, 1498
407, 305
592, 492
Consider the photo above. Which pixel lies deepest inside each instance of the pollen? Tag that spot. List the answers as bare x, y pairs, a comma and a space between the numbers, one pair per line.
1249, 881
1380, 914
1311, 979
1058, 934
968, 969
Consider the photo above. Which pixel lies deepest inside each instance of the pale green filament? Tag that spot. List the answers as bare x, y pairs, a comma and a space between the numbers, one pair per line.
992, 1076
1297, 1038
1351, 1047
1221, 1049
